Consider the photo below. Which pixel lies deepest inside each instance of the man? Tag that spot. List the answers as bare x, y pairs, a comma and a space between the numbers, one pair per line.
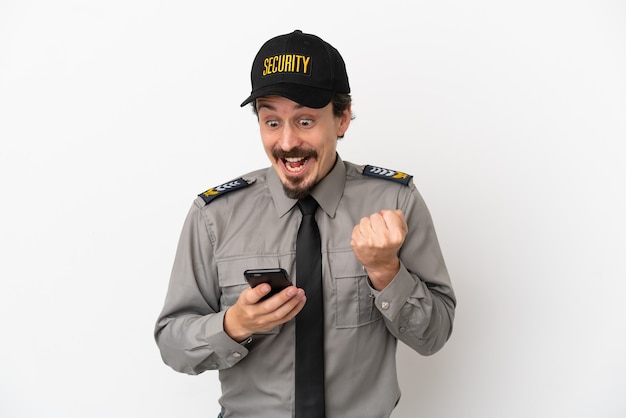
383, 277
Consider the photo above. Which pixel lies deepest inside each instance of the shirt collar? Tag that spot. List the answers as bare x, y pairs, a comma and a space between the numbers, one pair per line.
327, 192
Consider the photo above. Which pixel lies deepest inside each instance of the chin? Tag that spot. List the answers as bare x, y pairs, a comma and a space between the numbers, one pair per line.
297, 190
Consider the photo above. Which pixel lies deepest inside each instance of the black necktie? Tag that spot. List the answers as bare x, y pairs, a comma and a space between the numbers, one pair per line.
310, 321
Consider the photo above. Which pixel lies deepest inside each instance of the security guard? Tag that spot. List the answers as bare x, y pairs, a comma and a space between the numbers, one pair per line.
382, 272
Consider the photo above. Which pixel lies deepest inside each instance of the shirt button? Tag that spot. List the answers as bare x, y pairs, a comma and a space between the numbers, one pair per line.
402, 330
236, 354
384, 306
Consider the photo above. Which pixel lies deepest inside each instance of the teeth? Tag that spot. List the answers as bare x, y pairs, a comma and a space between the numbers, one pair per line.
295, 169
298, 161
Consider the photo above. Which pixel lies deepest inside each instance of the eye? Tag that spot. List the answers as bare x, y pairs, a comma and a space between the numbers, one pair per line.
271, 123
305, 122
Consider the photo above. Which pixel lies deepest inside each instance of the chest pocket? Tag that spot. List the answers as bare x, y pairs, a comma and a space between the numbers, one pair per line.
232, 282
355, 303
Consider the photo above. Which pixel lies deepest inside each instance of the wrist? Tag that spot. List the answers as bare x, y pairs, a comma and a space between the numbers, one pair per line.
232, 329
381, 276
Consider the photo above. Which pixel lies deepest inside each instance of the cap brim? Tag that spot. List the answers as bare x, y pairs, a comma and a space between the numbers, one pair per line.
312, 97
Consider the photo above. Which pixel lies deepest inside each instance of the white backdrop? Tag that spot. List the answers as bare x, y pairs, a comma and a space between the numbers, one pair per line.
510, 115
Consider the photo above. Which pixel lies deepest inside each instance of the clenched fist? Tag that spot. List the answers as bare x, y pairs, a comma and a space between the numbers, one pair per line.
376, 241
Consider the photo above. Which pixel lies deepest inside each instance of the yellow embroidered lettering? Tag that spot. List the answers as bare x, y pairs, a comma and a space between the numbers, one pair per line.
266, 66
286, 63
281, 64
306, 64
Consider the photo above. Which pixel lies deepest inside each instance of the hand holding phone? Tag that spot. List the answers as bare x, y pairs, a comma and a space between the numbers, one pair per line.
277, 278
247, 317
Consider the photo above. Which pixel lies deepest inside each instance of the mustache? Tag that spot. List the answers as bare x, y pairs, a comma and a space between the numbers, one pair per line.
297, 152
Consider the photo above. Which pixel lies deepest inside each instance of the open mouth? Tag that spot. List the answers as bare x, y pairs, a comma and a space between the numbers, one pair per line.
295, 164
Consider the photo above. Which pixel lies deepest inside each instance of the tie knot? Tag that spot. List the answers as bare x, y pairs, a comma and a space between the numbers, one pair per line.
307, 206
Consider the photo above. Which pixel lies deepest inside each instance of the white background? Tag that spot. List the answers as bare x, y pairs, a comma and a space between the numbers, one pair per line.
510, 115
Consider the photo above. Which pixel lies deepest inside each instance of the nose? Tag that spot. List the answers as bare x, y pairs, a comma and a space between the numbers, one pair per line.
289, 138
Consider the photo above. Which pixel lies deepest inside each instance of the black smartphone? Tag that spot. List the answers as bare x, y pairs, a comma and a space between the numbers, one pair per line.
276, 277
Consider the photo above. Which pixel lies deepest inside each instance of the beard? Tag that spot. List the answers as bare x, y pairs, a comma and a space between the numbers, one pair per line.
296, 188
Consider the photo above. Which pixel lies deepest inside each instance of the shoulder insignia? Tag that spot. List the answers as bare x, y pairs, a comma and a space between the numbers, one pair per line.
217, 191
384, 173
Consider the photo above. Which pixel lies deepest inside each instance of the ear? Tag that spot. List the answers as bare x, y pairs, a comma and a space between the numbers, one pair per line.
344, 121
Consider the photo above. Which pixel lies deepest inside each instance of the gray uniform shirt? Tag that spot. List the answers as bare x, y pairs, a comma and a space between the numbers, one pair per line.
256, 227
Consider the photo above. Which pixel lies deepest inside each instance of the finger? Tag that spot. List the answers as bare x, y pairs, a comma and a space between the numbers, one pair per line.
356, 237
255, 294
397, 227
378, 224
283, 297
365, 226
290, 309
296, 309
392, 214
283, 306
394, 219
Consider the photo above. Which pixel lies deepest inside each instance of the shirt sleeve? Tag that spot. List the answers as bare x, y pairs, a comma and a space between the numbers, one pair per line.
419, 304
189, 331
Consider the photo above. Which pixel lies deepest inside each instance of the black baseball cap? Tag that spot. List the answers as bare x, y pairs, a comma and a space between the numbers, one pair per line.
301, 67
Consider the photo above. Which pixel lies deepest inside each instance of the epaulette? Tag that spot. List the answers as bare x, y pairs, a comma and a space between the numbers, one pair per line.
222, 189
385, 173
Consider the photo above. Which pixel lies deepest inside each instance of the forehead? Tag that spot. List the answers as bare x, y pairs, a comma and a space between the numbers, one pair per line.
275, 102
